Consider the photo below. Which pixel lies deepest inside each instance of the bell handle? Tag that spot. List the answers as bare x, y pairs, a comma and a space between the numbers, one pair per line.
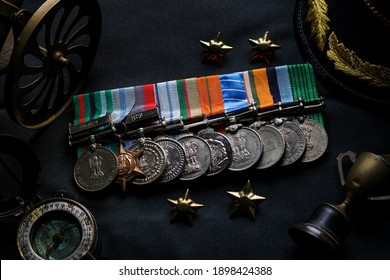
352, 157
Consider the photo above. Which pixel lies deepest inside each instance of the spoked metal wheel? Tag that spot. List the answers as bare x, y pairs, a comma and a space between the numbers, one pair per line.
51, 59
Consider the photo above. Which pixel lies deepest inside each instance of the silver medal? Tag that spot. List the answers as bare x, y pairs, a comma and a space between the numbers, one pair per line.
246, 147
175, 159
221, 150
198, 157
152, 161
273, 144
316, 139
295, 142
96, 168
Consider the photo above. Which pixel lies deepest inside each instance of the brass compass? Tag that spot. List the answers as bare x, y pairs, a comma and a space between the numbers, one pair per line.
57, 229
53, 228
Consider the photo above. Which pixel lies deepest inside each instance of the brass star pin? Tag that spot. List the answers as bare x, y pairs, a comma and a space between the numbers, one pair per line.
245, 201
184, 207
215, 50
128, 166
263, 49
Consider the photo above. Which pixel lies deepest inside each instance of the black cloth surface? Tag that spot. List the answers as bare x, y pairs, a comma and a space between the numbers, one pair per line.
152, 41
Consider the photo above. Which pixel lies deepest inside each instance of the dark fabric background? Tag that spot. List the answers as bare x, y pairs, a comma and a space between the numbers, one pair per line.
152, 41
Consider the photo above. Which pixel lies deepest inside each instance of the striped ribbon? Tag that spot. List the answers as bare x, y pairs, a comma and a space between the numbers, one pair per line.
119, 102
209, 95
285, 84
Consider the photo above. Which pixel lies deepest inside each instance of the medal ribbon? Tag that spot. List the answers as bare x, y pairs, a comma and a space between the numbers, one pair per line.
285, 84
209, 95
118, 102
303, 85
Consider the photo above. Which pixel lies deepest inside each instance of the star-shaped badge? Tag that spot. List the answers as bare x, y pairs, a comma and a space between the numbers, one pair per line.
245, 201
128, 166
215, 50
263, 49
184, 207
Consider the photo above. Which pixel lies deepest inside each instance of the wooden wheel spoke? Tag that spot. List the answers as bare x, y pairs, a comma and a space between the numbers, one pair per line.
61, 25
79, 50
84, 30
31, 70
48, 34
23, 91
77, 19
61, 93
37, 51
73, 73
49, 92
38, 95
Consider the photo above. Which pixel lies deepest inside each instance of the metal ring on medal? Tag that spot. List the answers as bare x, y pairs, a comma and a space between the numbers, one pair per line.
175, 159
221, 151
295, 142
198, 157
95, 169
273, 146
152, 161
246, 148
316, 139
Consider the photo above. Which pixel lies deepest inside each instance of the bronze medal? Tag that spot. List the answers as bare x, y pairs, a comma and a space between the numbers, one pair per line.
128, 166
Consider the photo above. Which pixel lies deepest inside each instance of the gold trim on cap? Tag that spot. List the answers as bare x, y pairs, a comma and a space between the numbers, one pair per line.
344, 59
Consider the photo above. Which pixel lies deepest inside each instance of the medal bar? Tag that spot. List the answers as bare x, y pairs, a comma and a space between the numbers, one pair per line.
259, 109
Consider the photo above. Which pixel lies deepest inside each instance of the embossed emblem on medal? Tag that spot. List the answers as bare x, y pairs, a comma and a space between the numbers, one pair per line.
96, 168
273, 144
246, 146
316, 139
175, 159
152, 161
221, 150
295, 141
198, 157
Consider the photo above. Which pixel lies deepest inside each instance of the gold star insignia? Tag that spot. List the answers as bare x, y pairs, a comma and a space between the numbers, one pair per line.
215, 50
128, 166
245, 201
263, 49
184, 207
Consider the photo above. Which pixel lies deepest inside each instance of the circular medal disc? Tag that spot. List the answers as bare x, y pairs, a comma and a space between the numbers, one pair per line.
57, 229
175, 159
152, 161
246, 148
295, 142
198, 157
95, 169
316, 139
221, 151
273, 145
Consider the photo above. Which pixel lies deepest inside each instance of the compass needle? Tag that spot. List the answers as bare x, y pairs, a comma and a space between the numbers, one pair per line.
57, 232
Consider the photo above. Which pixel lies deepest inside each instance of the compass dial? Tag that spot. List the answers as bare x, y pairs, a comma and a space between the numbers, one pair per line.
57, 229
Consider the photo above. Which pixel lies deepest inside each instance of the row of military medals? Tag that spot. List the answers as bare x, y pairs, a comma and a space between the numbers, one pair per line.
269, 138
